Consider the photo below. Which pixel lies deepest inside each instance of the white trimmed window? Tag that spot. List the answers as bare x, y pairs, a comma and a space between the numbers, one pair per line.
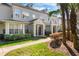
25, 14
18, 13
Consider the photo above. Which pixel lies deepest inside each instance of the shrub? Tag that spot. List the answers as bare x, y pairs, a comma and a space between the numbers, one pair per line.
1, 36
12, 37
7, 37
47, 33
20, 36
28, 35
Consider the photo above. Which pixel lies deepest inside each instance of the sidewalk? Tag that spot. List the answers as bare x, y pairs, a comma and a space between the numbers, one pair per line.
5, 50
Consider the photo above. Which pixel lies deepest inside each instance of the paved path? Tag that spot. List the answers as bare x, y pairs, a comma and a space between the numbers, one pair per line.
5, 50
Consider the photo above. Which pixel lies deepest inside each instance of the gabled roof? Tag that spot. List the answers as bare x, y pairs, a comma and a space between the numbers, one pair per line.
31, 22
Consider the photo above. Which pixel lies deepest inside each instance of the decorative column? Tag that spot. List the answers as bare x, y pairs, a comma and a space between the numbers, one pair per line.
43, 29
23, 25
51, 28
6, 28
34, 29
37, 30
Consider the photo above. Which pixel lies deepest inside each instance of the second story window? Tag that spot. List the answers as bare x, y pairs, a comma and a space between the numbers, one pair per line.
25, 14
18, 13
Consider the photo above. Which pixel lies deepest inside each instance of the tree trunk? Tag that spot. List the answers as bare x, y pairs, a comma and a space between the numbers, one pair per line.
73, 22
68, 24
63, 23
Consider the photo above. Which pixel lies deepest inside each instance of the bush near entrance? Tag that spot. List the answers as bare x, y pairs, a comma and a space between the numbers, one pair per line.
12, 37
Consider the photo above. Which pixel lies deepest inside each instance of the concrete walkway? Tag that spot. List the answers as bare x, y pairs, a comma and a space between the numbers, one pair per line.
5, 50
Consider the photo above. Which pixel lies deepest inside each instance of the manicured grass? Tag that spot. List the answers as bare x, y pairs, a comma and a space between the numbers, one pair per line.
12, 43
35, 50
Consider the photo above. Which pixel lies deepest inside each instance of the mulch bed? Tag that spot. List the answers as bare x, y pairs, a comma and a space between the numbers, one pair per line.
67, 48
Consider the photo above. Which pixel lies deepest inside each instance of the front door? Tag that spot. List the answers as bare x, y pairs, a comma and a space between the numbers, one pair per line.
40, 30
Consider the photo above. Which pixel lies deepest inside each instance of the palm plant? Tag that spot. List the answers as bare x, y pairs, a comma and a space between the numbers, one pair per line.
54, 13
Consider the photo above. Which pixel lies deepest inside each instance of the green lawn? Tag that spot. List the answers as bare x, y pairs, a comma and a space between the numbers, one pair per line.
35, 50
12, 43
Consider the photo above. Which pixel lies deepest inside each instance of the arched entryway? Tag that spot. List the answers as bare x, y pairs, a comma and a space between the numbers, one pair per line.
39, 28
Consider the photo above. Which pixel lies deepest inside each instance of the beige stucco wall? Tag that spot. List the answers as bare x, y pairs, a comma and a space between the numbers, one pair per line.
5, 12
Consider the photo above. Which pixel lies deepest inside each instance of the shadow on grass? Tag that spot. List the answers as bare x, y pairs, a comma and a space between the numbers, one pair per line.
69, 49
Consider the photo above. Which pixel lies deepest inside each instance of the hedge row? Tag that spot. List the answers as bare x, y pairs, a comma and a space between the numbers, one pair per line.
12, 37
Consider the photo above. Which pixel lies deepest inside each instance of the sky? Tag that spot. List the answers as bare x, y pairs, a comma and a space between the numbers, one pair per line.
49, 6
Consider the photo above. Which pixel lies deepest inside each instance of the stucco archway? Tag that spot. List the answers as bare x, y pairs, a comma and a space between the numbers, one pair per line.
38, 28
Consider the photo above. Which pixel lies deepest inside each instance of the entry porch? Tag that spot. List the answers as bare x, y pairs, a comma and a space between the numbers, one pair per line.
12, 27
37, 28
